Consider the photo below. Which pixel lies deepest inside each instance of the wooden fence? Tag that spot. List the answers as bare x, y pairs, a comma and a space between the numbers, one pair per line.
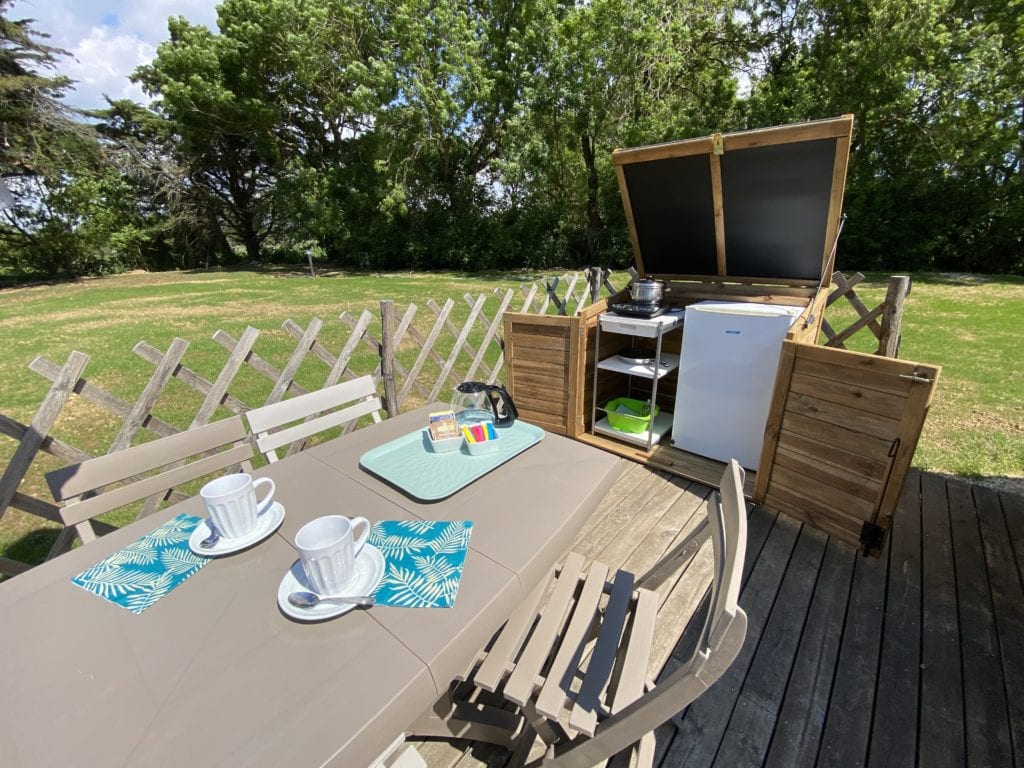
883, 321
412, 362
443, 353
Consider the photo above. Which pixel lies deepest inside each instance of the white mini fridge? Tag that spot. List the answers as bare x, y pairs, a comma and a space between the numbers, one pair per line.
727, 368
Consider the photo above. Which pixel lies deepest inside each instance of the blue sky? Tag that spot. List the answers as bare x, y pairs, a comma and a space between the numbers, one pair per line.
107, 39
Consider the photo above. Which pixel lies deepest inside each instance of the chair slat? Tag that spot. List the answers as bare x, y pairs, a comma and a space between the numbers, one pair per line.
637, 650
74, 480
523, 679
273, 440
554, 693
585, 711
494, 667
360, 395
83, 510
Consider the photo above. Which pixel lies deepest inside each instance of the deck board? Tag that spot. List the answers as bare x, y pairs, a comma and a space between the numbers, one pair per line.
915, 658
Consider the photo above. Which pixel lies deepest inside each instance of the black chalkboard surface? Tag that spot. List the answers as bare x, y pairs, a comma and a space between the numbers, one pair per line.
673, 215
775, 209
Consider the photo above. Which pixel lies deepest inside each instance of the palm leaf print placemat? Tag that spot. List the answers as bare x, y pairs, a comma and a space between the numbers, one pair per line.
141, 573
423, 561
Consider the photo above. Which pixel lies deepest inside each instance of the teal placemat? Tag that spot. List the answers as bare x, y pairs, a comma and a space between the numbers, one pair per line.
143, 572
423, 561
408, 463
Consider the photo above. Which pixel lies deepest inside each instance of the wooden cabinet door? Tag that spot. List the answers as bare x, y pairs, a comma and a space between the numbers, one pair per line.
840, 437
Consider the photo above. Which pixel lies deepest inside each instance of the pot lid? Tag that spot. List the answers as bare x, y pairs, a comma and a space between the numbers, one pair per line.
762, 204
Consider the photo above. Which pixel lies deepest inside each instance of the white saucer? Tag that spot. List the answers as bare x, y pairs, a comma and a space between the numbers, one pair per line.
266, 524
369, 571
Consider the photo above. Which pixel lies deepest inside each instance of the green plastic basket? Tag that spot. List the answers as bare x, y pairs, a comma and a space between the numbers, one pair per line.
628, 415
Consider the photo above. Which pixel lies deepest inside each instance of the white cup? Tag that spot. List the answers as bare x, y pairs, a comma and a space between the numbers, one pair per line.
328, 549
231, 502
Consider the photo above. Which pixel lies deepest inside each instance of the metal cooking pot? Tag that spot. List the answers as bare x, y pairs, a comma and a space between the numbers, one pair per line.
647, 291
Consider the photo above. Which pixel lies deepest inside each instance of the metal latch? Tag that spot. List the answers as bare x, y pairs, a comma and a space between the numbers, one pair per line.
871, 537
717, 145
917, 378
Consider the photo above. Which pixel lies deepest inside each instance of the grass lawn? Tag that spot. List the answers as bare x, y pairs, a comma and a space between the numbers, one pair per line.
969, 325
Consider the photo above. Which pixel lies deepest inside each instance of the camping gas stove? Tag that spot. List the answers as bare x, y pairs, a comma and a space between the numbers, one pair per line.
638, 309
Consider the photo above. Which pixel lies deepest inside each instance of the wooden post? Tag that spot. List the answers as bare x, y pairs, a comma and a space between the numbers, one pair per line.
595, 276
892, 316
387, 357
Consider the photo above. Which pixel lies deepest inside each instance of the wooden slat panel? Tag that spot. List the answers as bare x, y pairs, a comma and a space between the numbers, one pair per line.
856, 369
855, 442
556, 385
853, 419
827, 453
841, 420
801, 718
848, 394
705, 722
986, 725
894, 732
847, 729
815, 513
750, 729
830, 497
994, 512
940, 739
540, 357
861, 486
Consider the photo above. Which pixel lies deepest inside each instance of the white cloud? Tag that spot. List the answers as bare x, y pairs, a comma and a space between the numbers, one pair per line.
101, 65
108, 39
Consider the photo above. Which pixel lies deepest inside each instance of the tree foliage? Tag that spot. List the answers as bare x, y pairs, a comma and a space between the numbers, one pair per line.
466, 135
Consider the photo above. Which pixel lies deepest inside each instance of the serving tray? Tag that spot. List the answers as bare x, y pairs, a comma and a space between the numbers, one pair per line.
410, 465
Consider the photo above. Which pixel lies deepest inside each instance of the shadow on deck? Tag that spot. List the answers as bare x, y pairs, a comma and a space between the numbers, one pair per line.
915, 658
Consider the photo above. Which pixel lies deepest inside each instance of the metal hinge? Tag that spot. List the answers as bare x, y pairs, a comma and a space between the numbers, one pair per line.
871, 537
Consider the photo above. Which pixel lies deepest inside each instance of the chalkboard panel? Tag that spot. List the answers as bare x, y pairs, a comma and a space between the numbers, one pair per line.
776, 202
673, 215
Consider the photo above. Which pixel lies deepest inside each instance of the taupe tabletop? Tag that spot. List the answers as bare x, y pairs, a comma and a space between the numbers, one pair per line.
214, 674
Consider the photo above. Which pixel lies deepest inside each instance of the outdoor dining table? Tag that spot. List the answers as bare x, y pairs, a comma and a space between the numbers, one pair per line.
214, 673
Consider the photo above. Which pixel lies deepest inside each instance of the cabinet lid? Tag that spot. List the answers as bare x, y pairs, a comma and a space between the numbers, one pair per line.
758, 205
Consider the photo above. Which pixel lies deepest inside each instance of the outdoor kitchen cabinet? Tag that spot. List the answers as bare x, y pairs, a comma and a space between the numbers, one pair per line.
748, 217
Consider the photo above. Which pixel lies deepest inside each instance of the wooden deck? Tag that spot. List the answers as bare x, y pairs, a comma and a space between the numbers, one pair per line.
912, 659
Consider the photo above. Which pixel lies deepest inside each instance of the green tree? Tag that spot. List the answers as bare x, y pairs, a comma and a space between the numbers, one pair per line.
935, 87
619, 73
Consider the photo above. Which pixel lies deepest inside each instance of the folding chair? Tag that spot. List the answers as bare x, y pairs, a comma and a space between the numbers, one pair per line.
359, 397
576, 667
82, 485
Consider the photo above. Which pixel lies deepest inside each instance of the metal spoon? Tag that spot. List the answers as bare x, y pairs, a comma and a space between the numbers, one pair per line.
210, 540
311, 599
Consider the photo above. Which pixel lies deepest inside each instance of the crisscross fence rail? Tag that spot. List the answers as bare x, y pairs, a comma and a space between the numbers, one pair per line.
883, 321
416, 355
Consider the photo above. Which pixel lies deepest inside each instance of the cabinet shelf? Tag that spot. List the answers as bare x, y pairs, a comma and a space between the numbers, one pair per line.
662, 365
660, 426
667, 364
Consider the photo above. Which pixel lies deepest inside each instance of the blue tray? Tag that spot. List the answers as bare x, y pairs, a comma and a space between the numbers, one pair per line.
410, 465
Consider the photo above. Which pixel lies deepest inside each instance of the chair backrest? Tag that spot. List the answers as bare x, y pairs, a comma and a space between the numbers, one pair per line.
130, 466
359, 397
720, 642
